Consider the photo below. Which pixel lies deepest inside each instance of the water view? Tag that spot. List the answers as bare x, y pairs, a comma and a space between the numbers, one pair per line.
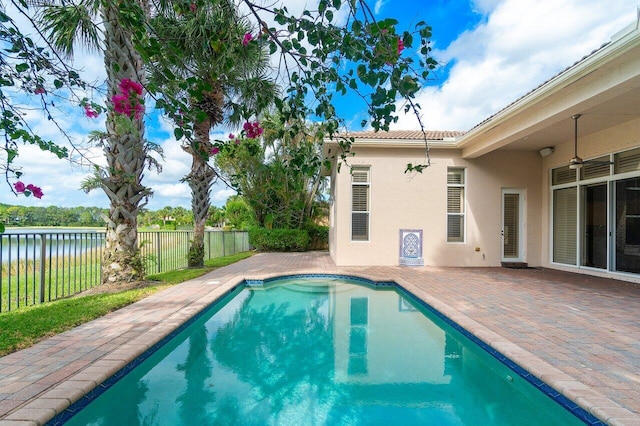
26, 243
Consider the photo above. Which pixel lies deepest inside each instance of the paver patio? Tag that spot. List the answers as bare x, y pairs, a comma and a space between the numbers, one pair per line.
578, 333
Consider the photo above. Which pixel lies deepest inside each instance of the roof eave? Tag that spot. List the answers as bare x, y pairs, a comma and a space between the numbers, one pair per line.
485, 137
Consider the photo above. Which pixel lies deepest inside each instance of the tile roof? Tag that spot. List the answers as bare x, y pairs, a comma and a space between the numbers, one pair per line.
432, 135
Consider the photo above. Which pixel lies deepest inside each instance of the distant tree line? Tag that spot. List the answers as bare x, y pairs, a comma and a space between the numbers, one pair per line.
51, 216
236, 214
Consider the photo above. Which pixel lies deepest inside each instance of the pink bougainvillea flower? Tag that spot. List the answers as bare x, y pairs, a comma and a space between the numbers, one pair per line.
128, 101
237, 141
193, 7
247, 38
121, 104
19, 187
252, 130
90, 112
126, 86
400, 46
39, 90
138, 110
36, 191
232, 136
215, 150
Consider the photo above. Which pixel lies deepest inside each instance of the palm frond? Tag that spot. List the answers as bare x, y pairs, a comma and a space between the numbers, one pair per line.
92, 182
69, 23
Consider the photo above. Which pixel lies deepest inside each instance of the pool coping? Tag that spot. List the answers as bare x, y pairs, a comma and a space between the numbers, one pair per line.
55, 398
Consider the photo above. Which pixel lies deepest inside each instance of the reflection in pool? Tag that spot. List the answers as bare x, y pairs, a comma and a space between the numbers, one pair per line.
311, 351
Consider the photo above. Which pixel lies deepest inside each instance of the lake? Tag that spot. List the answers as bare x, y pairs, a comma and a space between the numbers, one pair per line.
26, 243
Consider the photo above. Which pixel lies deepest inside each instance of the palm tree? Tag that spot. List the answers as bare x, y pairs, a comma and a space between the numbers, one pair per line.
124, 145
231, 84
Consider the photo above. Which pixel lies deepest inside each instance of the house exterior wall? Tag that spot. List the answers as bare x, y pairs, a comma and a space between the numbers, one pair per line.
400, 200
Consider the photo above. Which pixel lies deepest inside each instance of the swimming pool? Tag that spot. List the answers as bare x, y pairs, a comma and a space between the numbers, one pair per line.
322, 350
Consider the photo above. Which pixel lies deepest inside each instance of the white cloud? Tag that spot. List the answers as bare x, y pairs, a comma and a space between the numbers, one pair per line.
519, 45
378, 6
219, 195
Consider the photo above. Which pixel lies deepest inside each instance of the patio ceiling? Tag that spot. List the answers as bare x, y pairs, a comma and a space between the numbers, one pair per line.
604, 87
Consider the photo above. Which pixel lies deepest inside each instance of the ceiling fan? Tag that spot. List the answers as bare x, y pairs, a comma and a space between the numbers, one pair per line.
576, 162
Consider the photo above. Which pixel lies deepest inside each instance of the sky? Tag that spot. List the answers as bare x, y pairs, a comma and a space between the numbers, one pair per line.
491, 52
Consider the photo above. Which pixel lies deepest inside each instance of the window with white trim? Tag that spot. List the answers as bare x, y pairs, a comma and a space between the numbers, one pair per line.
455, 205
360, 193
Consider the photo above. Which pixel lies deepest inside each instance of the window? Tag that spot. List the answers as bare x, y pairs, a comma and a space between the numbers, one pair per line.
627, 161
563, 175
360, 204
455, 205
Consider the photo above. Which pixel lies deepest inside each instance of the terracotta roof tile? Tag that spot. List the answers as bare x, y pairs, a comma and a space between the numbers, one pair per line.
433, 135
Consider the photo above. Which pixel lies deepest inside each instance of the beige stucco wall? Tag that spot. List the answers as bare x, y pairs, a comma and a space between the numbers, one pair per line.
402, 200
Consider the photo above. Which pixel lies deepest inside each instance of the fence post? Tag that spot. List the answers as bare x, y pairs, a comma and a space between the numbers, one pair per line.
208, 234
158, 254
43, 258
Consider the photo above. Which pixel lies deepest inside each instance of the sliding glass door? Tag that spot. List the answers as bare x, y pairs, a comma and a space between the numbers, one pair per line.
627, 225
594, 226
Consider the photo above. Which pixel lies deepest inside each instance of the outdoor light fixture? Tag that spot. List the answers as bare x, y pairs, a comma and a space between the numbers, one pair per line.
545, 152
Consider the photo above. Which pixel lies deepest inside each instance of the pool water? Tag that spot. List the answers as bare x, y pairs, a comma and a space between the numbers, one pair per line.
303, 351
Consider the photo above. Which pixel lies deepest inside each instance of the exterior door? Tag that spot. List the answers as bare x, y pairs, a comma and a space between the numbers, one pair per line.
594, 228
513, 220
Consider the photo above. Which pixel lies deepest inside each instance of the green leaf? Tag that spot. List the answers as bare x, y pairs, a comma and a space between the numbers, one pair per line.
22, 67
356, 27
178, 133
11, 154
58, 83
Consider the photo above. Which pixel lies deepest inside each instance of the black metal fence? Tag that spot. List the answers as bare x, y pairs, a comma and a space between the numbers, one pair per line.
37, 267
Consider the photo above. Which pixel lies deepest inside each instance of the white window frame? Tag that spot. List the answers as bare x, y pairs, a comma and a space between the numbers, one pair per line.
367, 211
463, 205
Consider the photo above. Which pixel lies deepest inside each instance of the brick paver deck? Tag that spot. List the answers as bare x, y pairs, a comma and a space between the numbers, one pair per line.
580, 334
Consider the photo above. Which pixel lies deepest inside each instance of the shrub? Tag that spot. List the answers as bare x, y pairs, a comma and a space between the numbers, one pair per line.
318, 236
279, 239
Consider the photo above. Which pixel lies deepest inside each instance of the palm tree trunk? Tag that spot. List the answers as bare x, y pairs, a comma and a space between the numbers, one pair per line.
200, 180
126, 154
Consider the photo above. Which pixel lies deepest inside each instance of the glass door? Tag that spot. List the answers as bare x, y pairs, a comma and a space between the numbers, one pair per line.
627, 225
513, 225
594, 226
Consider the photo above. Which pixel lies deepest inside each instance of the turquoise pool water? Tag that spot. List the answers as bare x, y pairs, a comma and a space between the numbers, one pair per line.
309, 351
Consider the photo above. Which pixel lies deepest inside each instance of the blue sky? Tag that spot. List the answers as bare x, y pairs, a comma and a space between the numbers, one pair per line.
491, 51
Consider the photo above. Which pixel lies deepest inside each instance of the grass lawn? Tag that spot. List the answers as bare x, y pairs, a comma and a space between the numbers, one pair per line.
26, 326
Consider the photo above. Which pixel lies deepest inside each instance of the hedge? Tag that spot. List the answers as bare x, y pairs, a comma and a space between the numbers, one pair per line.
265, 239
